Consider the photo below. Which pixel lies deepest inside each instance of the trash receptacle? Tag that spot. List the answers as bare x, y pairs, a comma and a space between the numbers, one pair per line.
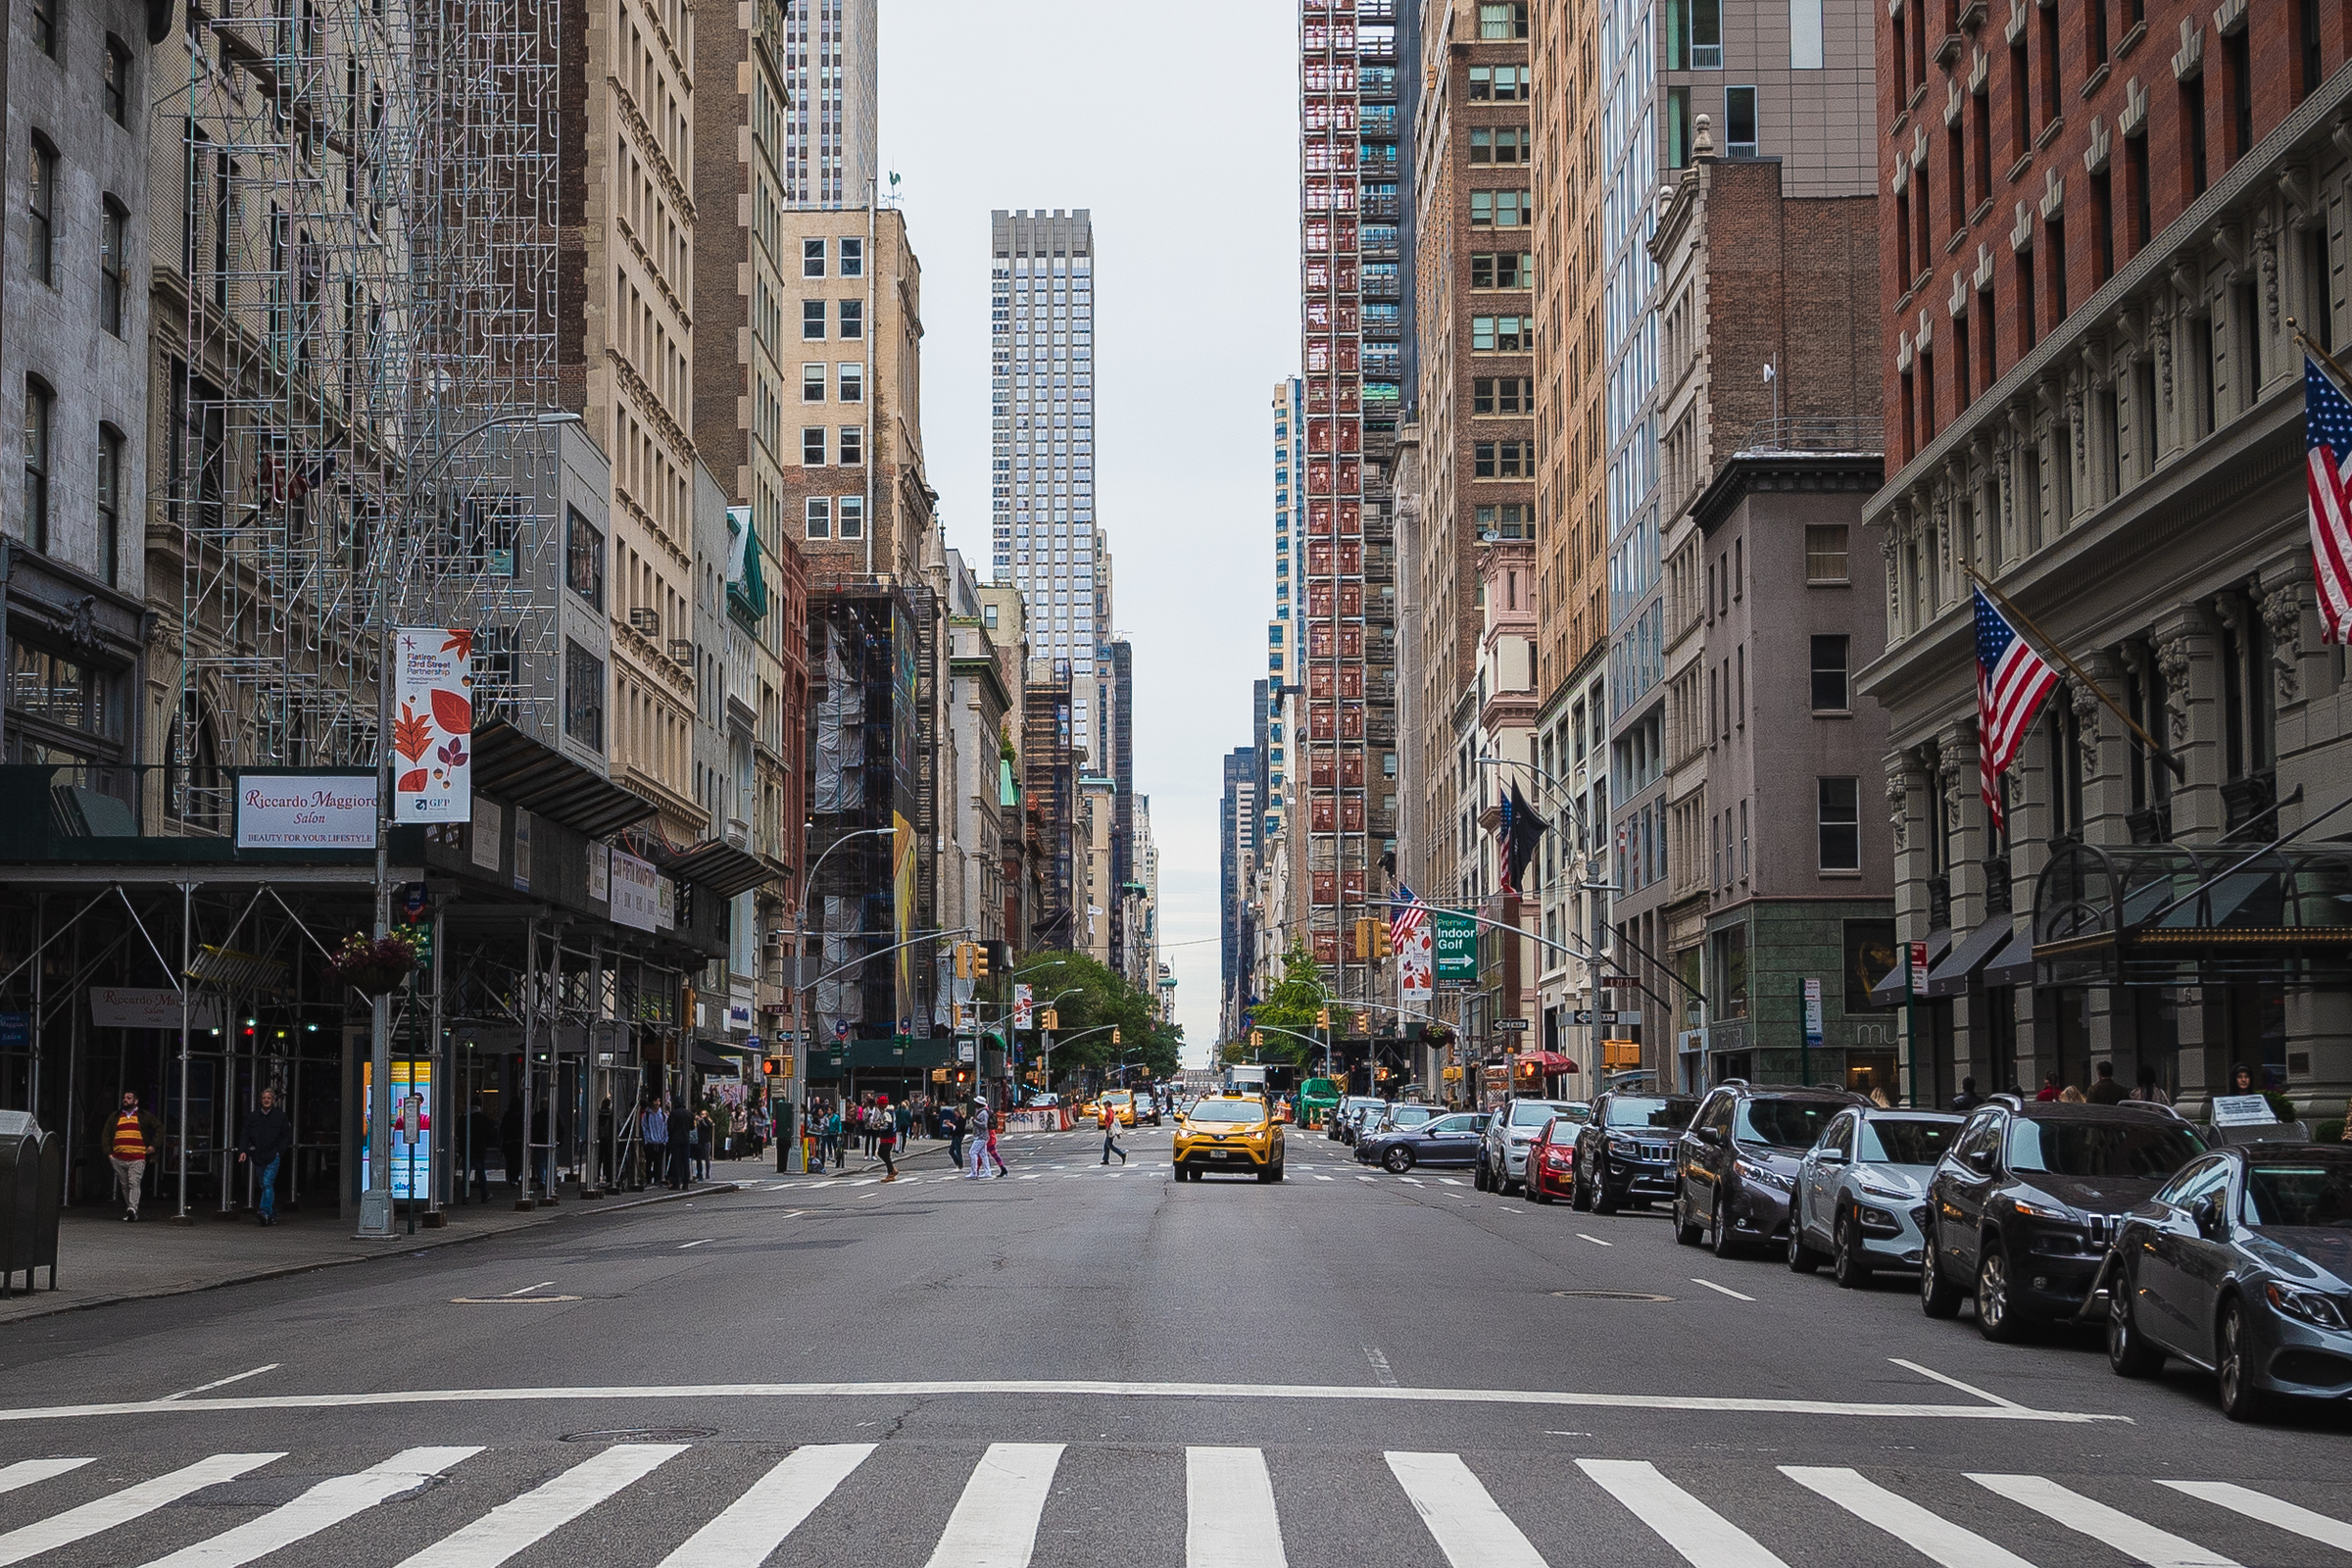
32, 1189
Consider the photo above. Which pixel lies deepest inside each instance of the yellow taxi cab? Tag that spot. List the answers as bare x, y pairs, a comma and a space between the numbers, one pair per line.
1229, 1132
1121, 1101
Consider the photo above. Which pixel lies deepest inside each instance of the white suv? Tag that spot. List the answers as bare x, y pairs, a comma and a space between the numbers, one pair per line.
1502, 1152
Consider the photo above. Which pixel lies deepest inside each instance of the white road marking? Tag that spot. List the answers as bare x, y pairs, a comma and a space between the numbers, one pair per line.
2133, 1538
1411, 1181
755, 1524
321, 1508
1365, 1178
1228, 1517
1594, 1240
222, 1383
1051, 1388
1380, 1367
1461, 1514
2270, 1510
1721, 1290
1927, 1534
119, 1509
24, 1472
523, 1521
1450, 1181
1951, 1383
1325, 1178
1704, 1538
528, 1289
994, 1522
688, 1246
1032, 1176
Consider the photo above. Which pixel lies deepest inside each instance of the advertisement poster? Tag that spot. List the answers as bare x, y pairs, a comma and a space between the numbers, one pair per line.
412, 1127
1414, 976
305, 811
1020, 1007
1456, 939
432, 724
632, 882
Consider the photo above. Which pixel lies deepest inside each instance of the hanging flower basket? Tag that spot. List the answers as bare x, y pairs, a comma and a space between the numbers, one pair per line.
371, 968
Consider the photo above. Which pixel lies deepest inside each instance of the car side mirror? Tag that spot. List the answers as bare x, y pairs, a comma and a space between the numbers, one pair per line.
1710, 1137
1829, 1157
2210, 1222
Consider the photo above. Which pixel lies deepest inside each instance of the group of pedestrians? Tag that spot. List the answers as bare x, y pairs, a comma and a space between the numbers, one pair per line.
677, 1143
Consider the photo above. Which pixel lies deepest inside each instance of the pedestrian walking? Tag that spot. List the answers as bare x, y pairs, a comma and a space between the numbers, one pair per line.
682, 1147
837, 1137
653, 1123
2049, 1089
2071, 1095
482, 1136
950, 1127
129, 1140
2106, 1091
2147, 1089
886, 1139
1967, 1100
984, 1140
1110, 1133
705, 1133
267, 1137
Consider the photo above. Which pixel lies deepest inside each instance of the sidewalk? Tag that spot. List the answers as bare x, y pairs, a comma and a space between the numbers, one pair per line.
101, 1261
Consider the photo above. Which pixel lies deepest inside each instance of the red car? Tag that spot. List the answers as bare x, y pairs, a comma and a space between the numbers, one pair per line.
1552, 1162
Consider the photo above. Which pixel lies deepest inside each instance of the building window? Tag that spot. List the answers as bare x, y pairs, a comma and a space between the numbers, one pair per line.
1505, 84
39, 402
1694, 34
112, 225
1840, 824
40, 204
1502, 269
2192, 111
812, 258
852, 383
1509, 394
1501, 144
813, 384
110, 503
1503, 334
813, 320
583, 695
820, 517
44, 27
851, 447
116, 82
1503, 460
1501, 21
1499, 209
1740, 122
584, 558
1678, 128
1829, 675
853, 516
1824, 553
812, 446
852, 257
853, 319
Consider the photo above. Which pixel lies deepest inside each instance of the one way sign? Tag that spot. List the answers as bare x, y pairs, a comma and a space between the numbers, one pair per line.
1605, 1016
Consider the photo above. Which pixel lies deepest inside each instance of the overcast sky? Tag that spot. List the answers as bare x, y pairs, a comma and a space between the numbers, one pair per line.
1177, 128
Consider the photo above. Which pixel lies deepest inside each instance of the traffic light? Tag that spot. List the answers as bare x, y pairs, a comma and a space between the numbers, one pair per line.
772, 1066
1051, 1018
963, 960
1380, 939
1257, 1040
1323, 1016
979, 960
1363, 939
1364, 1023
1114, 1034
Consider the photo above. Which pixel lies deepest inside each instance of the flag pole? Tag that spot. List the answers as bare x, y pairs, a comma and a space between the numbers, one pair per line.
2335, 368
2179, 771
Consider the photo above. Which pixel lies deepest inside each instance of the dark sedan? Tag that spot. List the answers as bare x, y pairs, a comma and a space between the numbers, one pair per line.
2242, 1264
1447, 1139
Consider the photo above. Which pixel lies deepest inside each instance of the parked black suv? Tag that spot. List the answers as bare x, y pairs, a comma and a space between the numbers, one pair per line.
1735, 1164
2025, 1204
1626, 1153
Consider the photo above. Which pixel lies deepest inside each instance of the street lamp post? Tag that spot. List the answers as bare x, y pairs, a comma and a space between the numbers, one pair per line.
375, 1203
798, 1146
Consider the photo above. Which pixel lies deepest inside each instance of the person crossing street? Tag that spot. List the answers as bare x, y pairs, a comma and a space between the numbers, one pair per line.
1108, 1114
886, 1138
267, 1137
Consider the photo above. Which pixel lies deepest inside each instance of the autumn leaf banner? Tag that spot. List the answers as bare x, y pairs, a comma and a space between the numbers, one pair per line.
433, 727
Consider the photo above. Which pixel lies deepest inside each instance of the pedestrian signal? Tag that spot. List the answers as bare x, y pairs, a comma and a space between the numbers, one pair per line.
772, 1066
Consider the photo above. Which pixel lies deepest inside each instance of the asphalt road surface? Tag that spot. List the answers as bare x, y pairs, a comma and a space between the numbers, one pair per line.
1075, 1366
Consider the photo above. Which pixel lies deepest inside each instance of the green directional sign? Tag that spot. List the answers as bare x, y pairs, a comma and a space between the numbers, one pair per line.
1455, 937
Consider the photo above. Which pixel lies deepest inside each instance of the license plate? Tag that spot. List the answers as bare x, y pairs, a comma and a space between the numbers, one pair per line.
1220, 1153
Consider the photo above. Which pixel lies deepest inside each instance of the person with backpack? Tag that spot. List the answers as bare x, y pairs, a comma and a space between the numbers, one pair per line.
984, 1140
1108, 1114
884, 1129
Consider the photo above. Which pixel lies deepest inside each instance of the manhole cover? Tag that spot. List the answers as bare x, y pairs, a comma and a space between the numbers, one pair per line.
1612, 1295
643, 1435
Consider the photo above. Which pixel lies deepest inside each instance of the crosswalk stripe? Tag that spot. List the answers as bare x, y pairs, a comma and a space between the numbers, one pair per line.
120, 1507
322, 1507
2269, 1510
755, 1524
1229, 1518
1704, 1538
994, 1522
521, 1521
1323, 1178
2133, 1538
24, 1472
1460, 1513
1928, 1534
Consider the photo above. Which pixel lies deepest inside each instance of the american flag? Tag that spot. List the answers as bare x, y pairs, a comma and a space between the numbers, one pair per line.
1406, 913
2011, 682
2328, 455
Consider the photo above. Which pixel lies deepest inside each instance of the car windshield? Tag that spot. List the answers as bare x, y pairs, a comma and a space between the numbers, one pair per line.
1891, 1142
1785, 1123
1229, 1110
1535, 1112
2148, 1151
2301, 1191
1666, 1115
1410, 1115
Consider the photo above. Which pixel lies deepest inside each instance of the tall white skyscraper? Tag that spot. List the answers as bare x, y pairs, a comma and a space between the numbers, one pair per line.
831, 83
1042, 395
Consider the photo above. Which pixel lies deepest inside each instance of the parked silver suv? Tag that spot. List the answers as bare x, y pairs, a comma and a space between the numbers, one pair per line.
1502, 1152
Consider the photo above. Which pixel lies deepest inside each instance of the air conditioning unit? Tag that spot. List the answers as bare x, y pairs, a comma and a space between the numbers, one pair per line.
681, 651
648, 621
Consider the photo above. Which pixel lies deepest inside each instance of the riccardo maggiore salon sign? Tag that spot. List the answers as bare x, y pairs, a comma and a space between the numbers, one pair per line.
306, 812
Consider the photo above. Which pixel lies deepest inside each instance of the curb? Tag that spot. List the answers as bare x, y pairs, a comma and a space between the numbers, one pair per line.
402, 1248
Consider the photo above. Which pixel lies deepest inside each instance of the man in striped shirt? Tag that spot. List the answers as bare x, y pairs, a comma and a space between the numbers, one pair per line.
129, 1139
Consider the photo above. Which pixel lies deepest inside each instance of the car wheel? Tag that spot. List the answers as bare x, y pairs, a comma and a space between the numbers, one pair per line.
2129, 1352
1580, 1192
1719, 1229
1534, 1191
1998, 1316
1802, 1259
1848, 1265
1937, 1296
1478, 1178
1685, 1232
2240, 1402
1602, 1203
1396, 1162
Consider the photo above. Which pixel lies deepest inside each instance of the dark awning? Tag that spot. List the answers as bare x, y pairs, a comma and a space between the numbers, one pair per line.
509, 765
1950, 977
1888, 992
710, 1057
719, 866
2014, 964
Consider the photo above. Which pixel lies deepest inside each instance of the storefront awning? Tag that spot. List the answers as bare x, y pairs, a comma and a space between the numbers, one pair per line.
1551, 1061
1888, 992
1950, 977
509, 765
2012, 966
2178, 914
719, 866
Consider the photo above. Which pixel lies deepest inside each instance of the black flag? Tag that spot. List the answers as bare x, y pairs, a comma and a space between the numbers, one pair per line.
1522, 831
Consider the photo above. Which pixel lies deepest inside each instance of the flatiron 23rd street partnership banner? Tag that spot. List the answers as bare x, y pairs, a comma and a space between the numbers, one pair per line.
432, 724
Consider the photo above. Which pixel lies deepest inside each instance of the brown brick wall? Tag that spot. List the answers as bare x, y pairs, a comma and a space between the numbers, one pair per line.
1792, 283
